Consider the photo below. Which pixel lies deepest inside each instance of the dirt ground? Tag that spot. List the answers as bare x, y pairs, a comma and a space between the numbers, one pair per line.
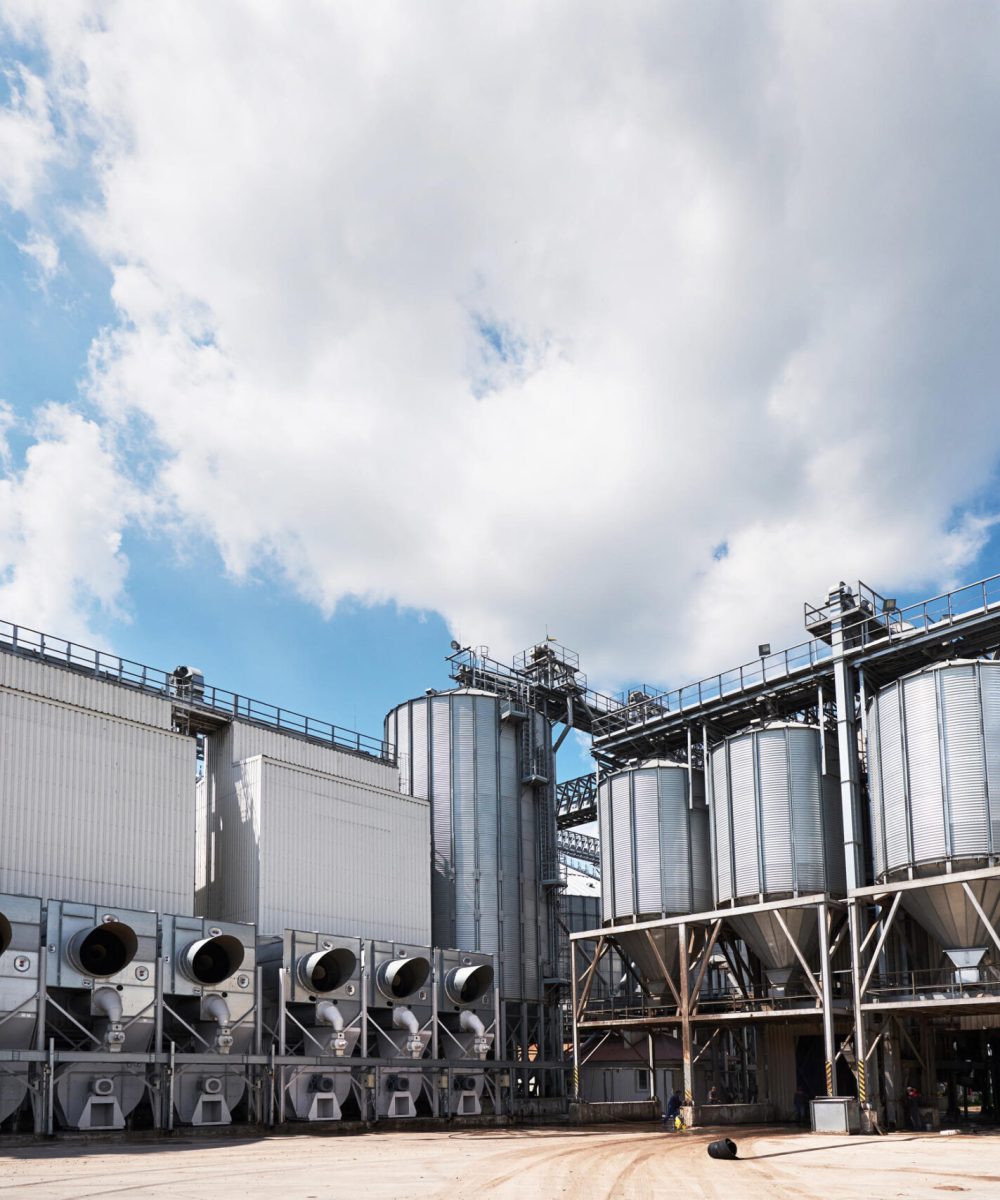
621, 1162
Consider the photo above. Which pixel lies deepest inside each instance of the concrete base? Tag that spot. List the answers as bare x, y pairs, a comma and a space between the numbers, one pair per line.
728, 1114
583, 1112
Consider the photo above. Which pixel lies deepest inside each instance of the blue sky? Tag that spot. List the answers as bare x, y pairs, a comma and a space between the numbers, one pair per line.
300, 381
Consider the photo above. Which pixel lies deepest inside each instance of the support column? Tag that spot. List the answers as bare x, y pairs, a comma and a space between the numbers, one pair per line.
685, 1014
826, 988
575, 1080
860, 1041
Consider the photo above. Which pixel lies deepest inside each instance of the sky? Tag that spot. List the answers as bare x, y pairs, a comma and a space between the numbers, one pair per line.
332, 332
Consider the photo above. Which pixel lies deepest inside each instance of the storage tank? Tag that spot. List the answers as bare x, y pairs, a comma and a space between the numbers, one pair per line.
20, 946
100, 977
934, 782
654, 857
778, 833
316, 979
486, 765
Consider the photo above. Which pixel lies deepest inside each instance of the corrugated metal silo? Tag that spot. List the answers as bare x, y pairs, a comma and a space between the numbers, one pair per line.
934, 781
480, 761
777, 833
654, 856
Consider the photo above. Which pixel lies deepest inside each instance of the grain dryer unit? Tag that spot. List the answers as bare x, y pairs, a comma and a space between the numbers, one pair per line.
209, 1001
401, 1019
20, 945
100, 968
313, 1006
467, 1007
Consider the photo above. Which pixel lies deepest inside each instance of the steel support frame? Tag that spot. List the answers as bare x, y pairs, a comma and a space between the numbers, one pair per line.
683, 1010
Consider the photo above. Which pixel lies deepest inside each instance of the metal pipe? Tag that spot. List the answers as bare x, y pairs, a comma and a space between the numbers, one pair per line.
826, 987
854, 917
685, 1014
282, 1042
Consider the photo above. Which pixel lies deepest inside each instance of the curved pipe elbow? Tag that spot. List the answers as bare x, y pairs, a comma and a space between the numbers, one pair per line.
468, 1022
405, 1018
216, 1008
327, 1013
107, 1002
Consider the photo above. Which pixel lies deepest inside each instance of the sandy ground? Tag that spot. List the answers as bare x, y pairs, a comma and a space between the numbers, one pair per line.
622, 1162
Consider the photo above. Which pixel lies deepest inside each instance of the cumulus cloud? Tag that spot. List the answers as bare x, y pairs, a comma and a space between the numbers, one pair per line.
62, 516
28, 141
521, 314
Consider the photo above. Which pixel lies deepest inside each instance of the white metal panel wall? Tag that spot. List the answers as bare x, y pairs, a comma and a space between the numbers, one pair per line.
93, 807
95, 695
963, 760
744, 828
340, 855
250, 740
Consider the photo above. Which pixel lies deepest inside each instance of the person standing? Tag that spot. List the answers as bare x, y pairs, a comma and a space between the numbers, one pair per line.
672, 1116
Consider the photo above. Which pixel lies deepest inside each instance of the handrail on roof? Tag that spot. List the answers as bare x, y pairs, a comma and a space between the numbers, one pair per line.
872, 623
20, 640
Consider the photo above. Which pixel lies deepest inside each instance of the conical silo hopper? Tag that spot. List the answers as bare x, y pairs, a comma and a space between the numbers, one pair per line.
934, 779
778, 834
654, 861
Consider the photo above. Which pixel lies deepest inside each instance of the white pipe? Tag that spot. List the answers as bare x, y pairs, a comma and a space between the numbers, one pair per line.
107, 1002
405, 1018
468, 1022
217, 1010
327, 1013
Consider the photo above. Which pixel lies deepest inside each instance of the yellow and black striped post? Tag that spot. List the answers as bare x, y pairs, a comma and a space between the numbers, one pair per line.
862, 1094
829, 1078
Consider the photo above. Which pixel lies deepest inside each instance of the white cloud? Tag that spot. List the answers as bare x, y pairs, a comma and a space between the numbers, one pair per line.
28, 142
518, 314
61, 522
44, 252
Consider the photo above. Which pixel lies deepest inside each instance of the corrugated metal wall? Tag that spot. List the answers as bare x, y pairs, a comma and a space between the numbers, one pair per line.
96, 694
98, 796
306, 837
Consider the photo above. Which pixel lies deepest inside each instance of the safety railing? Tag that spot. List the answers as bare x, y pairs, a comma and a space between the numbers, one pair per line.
195, 697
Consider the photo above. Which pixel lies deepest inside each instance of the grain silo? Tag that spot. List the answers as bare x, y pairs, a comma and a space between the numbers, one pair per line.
778, 833
654, 858
934, 781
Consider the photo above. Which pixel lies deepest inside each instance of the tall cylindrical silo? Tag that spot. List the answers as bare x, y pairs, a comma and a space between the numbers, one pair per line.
487, 768
654, 857
934, 782
777, 833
